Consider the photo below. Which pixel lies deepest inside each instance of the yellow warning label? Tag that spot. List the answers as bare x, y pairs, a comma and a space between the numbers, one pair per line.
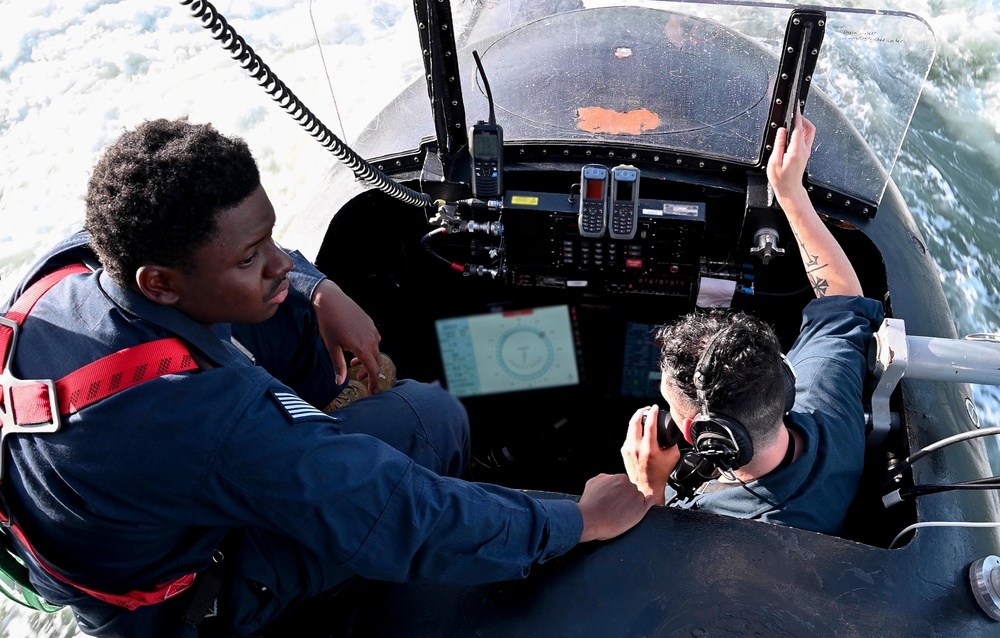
524, 200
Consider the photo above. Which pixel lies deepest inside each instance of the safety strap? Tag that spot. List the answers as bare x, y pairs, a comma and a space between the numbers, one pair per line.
35, 406
99, 380
19, 311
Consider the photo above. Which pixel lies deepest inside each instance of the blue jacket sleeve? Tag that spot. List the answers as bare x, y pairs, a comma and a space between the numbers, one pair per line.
357, 503
830, 356
305, 277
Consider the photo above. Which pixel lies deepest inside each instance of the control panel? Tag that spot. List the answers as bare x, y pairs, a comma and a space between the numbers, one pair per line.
660, 255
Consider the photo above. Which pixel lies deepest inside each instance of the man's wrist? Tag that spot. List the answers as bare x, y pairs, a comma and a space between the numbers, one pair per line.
795, 200
323, 288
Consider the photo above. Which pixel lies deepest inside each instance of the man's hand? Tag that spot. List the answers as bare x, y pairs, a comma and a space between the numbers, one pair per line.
611, 505
647, 464
345, 326
787, 163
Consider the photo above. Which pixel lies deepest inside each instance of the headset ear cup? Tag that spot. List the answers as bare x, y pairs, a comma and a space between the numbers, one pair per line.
790, 379
722, 437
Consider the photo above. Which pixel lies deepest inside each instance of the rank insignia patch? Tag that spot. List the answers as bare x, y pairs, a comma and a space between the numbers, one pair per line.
297, 409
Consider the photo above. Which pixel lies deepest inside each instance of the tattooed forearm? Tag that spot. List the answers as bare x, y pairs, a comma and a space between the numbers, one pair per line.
819, 284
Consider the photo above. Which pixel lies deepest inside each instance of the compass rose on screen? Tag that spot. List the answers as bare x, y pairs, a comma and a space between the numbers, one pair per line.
508, 351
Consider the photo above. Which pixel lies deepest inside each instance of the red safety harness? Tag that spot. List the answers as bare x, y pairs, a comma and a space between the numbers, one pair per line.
37, 406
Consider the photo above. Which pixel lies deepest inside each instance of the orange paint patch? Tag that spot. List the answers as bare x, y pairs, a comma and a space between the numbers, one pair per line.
595, 119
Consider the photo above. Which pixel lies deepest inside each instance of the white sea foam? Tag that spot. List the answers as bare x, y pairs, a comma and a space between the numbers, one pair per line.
76, 74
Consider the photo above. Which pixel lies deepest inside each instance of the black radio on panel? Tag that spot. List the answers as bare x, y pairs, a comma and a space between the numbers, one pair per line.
593, 200
624, 202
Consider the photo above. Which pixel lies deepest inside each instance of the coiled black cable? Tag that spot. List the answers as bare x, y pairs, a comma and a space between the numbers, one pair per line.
240, 51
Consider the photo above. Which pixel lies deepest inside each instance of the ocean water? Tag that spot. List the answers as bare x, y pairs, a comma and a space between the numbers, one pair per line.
74, 74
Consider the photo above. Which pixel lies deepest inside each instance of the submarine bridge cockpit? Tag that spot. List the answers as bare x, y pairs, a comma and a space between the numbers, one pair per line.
503, 288
523, 240
614, 184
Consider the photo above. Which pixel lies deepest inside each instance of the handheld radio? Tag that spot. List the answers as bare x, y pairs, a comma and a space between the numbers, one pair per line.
593, 218
487, 148
667, 432
624, 202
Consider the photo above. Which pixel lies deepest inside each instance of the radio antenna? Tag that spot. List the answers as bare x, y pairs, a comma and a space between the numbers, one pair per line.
486, 86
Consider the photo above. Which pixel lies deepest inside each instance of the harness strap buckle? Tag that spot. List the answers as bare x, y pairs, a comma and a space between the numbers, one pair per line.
26, 405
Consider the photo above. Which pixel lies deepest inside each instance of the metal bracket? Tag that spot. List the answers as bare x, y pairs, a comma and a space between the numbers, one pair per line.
799, 52
888, 358
893, 354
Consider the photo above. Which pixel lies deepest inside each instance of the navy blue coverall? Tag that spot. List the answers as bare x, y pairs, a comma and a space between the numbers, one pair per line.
147, 484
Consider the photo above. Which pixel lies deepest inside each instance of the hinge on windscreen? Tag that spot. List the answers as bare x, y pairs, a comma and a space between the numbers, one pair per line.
799, 52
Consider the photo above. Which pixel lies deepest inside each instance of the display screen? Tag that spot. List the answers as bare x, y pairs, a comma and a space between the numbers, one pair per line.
508, 351
485, 145
594, 190
641, 366
623, 192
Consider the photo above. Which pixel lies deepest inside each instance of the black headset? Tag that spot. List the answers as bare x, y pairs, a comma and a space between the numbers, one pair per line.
718, 441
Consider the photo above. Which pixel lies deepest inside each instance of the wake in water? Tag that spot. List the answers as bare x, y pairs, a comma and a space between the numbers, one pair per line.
950, 164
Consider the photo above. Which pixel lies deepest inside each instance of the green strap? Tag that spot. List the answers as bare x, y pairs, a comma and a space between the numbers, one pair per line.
14, 582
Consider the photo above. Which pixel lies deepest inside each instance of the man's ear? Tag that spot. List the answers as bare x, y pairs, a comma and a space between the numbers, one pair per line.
685, 428
159, 283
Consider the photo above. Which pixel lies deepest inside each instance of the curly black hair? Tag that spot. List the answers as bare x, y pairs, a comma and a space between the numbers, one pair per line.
743, 375
154, 194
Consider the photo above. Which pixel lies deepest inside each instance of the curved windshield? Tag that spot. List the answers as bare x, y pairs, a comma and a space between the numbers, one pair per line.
692, 77
634, 75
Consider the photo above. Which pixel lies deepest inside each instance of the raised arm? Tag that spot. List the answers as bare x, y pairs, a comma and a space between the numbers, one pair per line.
829, 270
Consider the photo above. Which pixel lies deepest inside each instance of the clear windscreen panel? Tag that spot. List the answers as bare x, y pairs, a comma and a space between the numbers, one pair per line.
690, 77
872, 70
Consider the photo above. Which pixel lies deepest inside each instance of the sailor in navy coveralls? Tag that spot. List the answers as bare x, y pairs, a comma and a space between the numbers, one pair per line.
804, 455
234, 460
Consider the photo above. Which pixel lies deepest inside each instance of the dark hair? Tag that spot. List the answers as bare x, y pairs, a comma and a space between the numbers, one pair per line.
743, 378
154, 194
